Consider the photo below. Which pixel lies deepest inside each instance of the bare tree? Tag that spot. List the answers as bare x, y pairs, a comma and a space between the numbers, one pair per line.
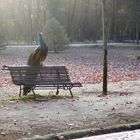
137, 17
104, 29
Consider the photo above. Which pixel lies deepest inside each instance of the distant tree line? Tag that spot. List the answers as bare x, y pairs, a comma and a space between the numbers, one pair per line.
22, 20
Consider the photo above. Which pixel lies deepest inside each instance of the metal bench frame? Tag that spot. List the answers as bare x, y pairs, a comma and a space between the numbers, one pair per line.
43, 76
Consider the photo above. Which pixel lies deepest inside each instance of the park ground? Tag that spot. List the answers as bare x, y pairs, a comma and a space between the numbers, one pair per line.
51, 114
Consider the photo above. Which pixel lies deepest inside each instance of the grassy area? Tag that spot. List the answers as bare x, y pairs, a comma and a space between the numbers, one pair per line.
38, 97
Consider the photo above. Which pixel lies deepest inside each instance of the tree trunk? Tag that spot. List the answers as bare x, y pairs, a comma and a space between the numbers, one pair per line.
71, 20
137, 19
137, 33
104, 29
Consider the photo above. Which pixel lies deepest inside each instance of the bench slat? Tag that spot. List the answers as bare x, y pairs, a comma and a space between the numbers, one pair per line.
47, 76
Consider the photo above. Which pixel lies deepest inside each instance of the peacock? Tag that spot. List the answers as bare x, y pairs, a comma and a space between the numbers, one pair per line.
35, 59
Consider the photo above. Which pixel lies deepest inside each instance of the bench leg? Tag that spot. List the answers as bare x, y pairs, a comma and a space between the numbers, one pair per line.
57, 92
20, 91
71, 92
34, 93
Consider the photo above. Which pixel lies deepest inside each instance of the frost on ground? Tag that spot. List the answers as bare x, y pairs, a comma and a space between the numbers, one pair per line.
86, 109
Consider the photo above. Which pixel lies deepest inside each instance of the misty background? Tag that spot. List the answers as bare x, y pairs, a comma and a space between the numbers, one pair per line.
22, 20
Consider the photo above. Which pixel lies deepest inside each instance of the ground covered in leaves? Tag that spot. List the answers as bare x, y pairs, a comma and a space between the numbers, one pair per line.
25, 118
84, 63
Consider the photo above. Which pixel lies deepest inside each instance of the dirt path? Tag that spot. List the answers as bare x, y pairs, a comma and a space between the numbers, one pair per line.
86, 110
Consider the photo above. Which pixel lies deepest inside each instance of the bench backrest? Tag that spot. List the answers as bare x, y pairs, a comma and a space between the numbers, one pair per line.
39, 75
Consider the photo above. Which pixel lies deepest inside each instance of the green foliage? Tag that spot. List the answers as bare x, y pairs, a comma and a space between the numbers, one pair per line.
55, 34
138, 57
38, 97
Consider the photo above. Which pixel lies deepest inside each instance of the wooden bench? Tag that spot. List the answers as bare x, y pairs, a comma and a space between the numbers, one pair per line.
45, 76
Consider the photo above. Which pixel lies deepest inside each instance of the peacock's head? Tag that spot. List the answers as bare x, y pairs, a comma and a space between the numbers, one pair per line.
40, 34
42, 42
